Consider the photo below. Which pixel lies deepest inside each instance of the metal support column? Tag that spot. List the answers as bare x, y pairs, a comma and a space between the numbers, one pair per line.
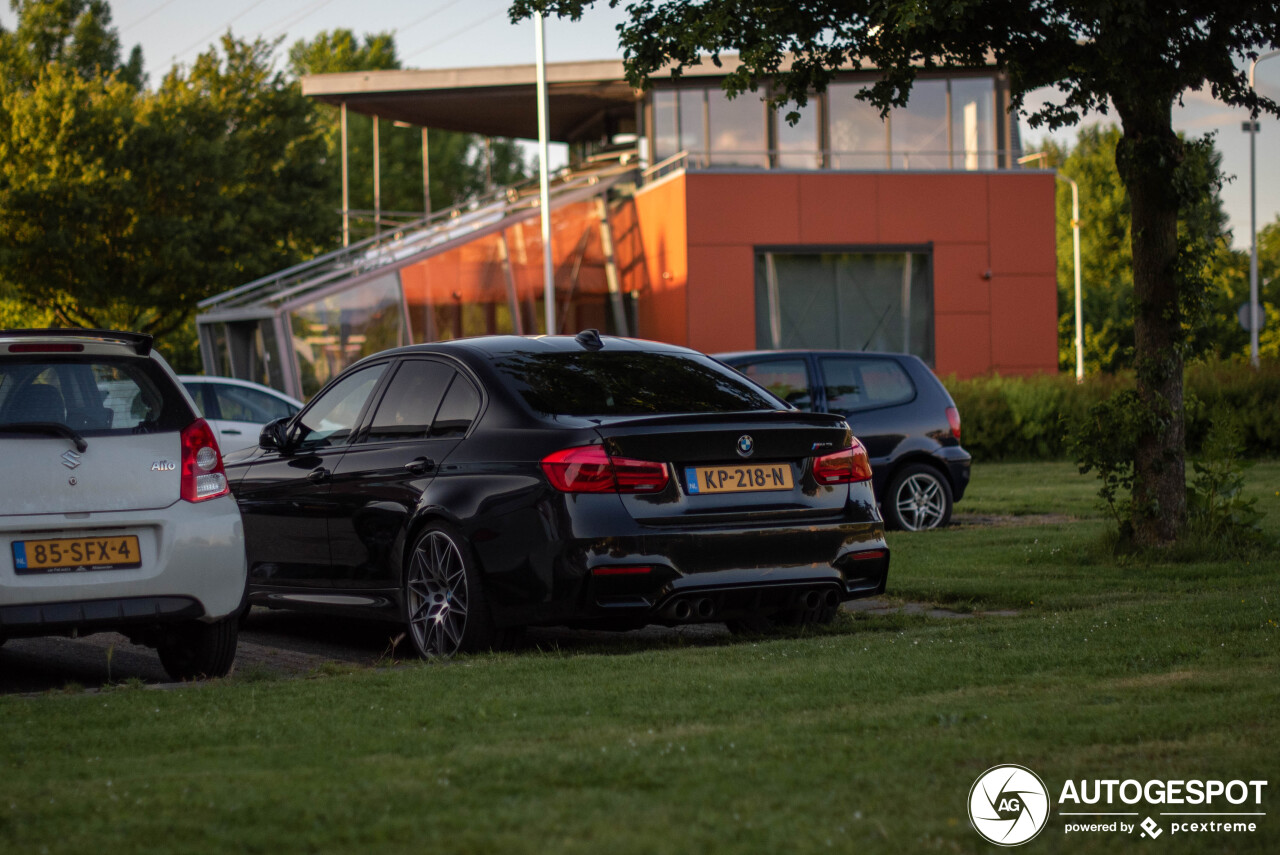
426, 176
346, 191
377, 181
544, 182
611, 277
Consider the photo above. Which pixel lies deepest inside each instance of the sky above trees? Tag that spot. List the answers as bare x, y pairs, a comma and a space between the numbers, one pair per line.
454, 33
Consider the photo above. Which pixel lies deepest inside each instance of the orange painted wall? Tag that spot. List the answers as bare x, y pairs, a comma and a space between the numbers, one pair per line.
994, 267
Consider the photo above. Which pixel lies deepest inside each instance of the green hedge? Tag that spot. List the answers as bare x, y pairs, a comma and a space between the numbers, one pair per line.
1025, 418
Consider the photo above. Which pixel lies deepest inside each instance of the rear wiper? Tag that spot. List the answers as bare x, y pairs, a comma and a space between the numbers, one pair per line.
55, 428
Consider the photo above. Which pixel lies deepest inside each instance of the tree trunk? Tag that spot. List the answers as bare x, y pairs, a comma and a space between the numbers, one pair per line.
1147, 157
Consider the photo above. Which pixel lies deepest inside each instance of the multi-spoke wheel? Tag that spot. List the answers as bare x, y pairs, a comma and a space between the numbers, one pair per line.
918, 498
444, 604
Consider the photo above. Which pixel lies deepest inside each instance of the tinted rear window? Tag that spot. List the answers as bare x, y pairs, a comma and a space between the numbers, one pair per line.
629, 383
91, 395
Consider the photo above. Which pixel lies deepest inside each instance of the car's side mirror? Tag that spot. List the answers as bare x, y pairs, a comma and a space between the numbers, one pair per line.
275, 435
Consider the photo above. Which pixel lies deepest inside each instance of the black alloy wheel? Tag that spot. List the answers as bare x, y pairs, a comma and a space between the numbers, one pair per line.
918, 499
445, 607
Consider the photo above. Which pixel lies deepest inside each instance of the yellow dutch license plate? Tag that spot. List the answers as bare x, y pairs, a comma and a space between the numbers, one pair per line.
738, 479
76, 554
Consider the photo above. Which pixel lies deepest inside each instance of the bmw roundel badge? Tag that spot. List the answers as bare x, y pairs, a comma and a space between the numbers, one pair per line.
746, 445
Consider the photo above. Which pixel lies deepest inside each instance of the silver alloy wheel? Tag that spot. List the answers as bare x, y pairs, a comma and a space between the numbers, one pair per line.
920, 502
437, 595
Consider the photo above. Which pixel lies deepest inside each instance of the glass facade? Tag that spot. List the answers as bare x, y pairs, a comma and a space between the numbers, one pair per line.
738, 129
798, 145
948, 123
335, 331
845, 301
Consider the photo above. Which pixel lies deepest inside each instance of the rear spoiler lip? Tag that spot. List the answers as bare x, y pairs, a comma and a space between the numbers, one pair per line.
729, 420
140, 342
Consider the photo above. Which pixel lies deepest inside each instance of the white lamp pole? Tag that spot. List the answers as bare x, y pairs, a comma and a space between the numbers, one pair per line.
544, 182
1253, 220
1075, 242
1075, 246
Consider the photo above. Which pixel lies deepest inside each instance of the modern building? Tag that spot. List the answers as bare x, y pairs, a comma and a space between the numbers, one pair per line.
691, 218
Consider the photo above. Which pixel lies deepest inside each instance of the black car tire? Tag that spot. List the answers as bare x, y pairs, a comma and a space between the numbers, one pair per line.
918, 499
445, 609
194, 650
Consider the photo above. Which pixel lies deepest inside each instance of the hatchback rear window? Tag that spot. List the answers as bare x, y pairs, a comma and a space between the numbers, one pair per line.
629, 383
94, 396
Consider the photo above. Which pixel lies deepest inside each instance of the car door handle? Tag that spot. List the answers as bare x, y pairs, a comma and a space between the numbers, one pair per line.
318, 474
420, 465
231, 432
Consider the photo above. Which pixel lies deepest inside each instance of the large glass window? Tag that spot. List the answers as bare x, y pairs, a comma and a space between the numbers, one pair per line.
919, 132
859, 138
798, 143
845, 301
336, 331
665, 143
973, 101
737, 129
693, 130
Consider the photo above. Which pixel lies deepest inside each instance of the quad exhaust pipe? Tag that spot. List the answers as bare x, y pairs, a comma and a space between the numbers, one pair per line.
685, 609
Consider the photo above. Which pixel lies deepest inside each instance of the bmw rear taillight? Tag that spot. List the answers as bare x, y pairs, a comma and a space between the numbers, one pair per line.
591, 469
202, 474
953, 418
848, 466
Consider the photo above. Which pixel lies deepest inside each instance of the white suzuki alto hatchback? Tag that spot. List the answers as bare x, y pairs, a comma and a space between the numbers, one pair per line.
114, 509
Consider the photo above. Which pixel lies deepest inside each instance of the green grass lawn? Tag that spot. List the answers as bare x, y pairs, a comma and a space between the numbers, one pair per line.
866, 737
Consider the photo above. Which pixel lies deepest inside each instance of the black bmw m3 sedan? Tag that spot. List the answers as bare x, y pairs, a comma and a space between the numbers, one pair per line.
470, 488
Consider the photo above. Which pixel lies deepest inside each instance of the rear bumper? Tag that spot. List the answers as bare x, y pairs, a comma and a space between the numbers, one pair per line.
719, 574
958, 463
88, 616
190, 552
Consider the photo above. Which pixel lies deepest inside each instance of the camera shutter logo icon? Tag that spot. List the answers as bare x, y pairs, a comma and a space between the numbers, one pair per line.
1008, 805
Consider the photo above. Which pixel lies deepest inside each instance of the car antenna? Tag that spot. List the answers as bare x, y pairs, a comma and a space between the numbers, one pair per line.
590, 339
883, 315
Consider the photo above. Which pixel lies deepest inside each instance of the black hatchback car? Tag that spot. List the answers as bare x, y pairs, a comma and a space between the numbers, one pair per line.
469, 488
898, 409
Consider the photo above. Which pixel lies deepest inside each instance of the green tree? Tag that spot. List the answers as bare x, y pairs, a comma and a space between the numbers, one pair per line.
76, 34
458, 161
122, 208
1106, 261
1136, 57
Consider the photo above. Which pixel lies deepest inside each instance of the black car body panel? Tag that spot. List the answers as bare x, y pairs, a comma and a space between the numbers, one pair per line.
548, 556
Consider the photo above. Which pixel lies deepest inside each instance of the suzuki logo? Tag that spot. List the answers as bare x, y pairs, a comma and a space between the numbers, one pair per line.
71, 460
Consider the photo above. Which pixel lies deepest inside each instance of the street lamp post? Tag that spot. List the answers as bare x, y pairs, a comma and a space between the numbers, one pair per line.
544, 180
1075, 248
1254, 306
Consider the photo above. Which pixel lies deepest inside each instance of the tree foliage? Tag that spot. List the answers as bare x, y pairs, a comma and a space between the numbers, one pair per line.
1134, 56
460, 165
122, 208
1107, 262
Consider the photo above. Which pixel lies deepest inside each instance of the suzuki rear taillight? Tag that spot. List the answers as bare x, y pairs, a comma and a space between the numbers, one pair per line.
953, 418
590, 469
202, 474
844, 467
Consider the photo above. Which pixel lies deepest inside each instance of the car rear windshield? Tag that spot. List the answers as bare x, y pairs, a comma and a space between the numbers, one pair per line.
629, 383
91, 395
